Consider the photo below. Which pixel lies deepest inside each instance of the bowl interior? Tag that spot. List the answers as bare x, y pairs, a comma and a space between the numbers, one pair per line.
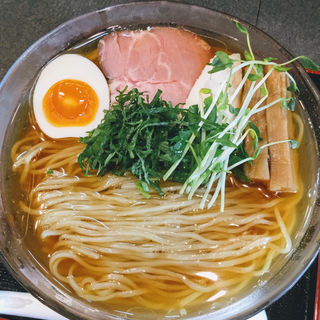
14, 91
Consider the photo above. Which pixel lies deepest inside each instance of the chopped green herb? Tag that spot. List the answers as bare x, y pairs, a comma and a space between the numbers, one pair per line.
146, 139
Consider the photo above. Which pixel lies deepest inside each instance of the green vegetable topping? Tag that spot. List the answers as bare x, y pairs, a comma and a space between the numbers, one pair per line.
197, 146
136, 136
147, 138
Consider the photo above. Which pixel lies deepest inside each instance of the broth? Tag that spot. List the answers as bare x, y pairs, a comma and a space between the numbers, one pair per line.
169, 296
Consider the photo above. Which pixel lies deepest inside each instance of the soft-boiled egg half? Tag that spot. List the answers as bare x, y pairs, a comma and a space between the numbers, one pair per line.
70, 97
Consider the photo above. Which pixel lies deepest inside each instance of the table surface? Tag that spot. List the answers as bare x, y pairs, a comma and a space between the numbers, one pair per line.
294, 24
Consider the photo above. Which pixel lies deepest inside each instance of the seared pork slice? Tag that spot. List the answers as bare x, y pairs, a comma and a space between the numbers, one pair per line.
170, 59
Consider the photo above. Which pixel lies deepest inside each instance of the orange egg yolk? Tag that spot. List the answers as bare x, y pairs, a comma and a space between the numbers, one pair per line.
70, 103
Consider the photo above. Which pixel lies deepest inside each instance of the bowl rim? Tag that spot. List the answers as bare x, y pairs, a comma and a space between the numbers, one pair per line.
289, 281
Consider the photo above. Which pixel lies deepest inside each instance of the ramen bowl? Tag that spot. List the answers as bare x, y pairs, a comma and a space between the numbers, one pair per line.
14, 92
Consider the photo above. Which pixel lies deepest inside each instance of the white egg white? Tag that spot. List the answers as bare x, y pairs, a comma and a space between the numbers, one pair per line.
76, 67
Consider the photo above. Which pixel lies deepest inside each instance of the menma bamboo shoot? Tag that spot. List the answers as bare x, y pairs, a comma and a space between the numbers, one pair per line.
282, 174
259, 170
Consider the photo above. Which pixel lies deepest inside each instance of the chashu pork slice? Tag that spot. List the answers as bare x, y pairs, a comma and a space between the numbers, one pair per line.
170, 59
